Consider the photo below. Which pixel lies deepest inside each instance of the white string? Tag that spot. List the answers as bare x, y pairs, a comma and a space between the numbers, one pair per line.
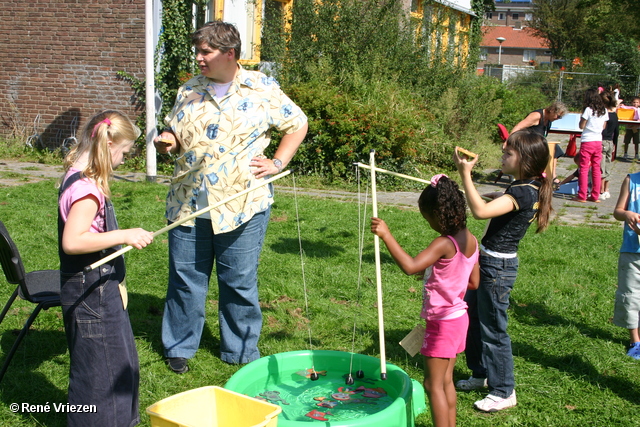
361, 232
304, 281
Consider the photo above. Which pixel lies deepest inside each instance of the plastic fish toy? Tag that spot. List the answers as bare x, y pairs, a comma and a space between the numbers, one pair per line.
307, 373
374, 392
273, 396
317, 415
328, 404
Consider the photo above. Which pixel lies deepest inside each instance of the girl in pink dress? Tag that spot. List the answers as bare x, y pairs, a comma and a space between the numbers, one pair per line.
450, 266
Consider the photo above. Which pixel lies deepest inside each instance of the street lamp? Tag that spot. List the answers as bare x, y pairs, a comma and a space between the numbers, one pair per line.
500, 40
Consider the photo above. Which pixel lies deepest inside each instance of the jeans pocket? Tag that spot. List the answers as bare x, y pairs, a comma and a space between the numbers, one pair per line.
82, 305
505, 285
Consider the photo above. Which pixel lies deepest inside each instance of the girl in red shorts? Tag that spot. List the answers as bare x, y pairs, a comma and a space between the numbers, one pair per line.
450, 266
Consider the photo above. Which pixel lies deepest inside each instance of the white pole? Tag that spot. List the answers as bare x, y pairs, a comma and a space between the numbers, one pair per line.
150, 95
376, 245
399, 175
187, 218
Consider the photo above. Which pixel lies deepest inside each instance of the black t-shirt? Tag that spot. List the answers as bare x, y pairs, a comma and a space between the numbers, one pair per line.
612, 127
505, 232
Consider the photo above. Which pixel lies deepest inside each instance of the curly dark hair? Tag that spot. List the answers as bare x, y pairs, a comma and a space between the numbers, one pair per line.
593, 100
447, 204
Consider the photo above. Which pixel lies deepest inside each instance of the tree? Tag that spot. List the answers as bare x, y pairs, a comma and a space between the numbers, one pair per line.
586, 28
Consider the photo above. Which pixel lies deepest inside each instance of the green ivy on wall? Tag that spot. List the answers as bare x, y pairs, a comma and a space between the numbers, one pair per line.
174, 57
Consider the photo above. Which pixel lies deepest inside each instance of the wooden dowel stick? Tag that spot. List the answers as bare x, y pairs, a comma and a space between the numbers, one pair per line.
399, 175
376, 245
187, 218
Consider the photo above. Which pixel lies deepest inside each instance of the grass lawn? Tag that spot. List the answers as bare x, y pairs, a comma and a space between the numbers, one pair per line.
570, 365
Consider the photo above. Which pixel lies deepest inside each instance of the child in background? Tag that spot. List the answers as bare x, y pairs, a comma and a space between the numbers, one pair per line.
592, 123
627, 300
632, 131
104, 369
609, 135
488, 348
450, 266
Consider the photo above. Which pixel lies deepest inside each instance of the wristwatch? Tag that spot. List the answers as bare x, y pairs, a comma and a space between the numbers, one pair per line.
278, 163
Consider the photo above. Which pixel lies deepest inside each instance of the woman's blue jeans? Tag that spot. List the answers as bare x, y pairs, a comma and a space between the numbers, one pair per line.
488, 348
192, 251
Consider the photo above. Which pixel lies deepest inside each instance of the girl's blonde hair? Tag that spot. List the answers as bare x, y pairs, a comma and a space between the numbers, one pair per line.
107, 125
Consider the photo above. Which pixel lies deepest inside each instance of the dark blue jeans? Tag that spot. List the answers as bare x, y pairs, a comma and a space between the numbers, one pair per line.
192, 251
488, 348
104, 369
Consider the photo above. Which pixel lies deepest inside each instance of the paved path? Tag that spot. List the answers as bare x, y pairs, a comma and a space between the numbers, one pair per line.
566, 211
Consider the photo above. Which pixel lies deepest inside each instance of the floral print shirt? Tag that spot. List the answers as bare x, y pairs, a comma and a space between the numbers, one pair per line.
218, 138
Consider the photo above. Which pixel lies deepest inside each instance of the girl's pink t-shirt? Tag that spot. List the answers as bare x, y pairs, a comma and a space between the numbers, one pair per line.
77, 191
445, 284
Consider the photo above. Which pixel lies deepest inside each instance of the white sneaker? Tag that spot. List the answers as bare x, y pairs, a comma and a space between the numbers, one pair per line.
472, 384
604, 196
626, 156
493, 403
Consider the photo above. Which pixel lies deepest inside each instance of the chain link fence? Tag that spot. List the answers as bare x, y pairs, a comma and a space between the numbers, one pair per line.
566, 86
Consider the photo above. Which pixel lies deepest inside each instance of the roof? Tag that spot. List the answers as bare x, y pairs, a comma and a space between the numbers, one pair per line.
461, 5
518, 38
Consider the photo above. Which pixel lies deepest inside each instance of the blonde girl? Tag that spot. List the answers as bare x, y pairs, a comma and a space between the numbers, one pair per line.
104, 368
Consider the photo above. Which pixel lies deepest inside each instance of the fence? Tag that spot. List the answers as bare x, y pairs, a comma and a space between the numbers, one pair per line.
565, 86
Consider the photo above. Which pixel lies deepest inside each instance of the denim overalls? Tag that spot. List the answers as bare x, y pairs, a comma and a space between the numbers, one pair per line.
104, 369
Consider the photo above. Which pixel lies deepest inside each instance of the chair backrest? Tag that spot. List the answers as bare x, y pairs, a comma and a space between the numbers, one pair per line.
503, 132
10, 258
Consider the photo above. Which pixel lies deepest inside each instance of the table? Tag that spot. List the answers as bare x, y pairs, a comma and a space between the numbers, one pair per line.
568, 125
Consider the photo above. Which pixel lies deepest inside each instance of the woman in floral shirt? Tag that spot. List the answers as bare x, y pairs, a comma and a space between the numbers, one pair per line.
219, 128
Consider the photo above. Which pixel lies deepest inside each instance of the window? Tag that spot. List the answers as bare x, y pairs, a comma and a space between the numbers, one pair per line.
528, 16
483, 53
515, 16
488, 15
500, 16
528, 55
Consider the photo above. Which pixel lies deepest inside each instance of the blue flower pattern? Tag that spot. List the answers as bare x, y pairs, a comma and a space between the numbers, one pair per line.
212, 131
221, 138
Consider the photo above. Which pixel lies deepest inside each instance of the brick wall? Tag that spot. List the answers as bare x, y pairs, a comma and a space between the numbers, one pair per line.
59, 59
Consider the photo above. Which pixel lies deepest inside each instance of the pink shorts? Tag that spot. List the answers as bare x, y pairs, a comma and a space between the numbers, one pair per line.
445, 338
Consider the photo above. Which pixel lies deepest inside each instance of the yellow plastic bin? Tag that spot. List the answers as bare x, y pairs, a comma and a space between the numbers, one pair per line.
213, 407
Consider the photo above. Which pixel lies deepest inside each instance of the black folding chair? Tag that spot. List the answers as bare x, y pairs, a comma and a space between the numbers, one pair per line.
40, 287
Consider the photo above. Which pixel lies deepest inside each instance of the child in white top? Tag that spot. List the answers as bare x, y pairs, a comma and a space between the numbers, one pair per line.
592, 122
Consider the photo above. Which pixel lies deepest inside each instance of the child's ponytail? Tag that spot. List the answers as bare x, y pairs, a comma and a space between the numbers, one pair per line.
545, 197
102, 128
534, 157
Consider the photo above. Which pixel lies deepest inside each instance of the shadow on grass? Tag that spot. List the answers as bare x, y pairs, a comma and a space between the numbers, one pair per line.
145, 312
539, 315
24, 384
312, 249
575, 365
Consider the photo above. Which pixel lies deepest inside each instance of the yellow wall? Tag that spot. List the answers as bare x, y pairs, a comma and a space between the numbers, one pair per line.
449, 29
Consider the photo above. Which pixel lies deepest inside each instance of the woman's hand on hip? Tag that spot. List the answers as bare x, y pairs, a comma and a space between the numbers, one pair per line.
262, 167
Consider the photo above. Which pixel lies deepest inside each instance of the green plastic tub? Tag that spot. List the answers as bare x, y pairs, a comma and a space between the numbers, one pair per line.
283, 379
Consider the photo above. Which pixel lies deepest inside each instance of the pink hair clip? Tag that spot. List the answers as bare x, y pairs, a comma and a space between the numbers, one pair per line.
436, 178
543, 174
95, 128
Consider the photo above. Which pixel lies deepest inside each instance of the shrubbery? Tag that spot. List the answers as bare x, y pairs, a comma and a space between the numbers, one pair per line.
369, 80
